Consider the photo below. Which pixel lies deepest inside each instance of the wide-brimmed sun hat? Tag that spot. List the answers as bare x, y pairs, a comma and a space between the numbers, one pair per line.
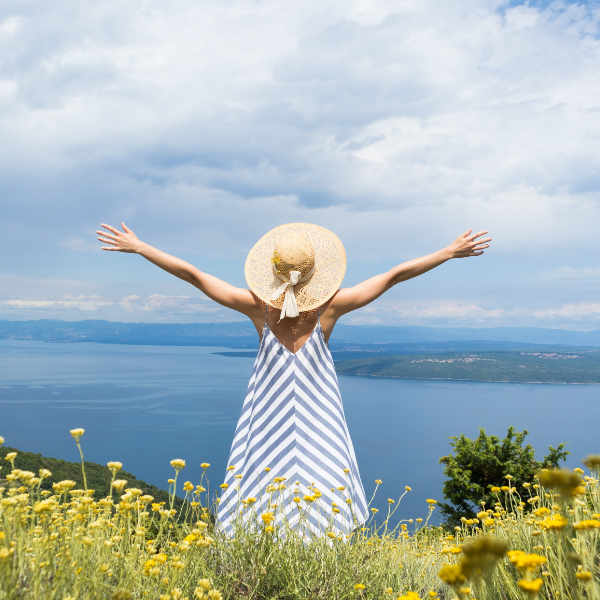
296, 267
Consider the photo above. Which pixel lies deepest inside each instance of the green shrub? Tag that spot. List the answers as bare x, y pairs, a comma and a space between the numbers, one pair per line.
478, 465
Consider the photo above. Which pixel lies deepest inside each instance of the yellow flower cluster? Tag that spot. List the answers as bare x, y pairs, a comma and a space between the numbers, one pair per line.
526, 562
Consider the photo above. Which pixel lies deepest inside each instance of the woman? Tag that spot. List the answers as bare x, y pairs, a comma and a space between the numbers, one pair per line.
292, 441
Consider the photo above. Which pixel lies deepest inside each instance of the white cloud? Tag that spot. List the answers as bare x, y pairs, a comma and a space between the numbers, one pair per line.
169, 305
155, 307
70, 303
395, 124
79, 244
574, 274
454, 314
570, 311
353, 103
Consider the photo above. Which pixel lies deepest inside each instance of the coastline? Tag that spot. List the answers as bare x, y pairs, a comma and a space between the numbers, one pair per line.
472, 380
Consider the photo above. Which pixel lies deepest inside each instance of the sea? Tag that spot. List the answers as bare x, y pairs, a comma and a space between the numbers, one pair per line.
146, 405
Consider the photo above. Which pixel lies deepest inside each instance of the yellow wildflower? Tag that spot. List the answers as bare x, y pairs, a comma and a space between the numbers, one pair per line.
588, 524
526, 562
119, 484
556, 523
583, 575
268, 518
205, 465
531, 587
114, 466
452, 574
77, 433
178, 464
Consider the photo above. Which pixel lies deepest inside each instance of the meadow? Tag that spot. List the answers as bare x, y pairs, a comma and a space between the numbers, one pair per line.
66, 544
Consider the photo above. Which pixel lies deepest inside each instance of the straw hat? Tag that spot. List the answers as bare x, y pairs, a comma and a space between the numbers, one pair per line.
296, 264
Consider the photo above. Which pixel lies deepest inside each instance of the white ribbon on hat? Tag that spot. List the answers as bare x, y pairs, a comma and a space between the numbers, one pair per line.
290, 306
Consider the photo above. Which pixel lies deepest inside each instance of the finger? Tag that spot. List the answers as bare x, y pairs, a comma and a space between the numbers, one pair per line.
479, 245
484, 241
476, 253
106, 235
466, 233
125, 228
113, 249
479, 234
105, 241
116, 231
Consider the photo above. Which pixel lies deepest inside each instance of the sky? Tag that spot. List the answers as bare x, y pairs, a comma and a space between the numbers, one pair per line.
396, 124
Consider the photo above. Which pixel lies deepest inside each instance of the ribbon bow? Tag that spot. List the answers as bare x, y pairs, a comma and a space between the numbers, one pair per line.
290, 306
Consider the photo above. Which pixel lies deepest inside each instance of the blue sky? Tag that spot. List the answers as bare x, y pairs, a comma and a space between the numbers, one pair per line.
397, 125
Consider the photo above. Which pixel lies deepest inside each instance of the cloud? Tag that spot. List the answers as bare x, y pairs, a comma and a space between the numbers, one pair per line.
454, 314
70, 303
79, 244
185, 309
574, 274
169, 305
354, 104
156, 307
571, 311
395, 124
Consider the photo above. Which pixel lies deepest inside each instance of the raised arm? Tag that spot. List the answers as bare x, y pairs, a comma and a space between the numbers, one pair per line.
360, 295
218, 290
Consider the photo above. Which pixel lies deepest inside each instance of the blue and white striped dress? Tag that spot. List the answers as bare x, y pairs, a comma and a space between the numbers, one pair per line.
292, 454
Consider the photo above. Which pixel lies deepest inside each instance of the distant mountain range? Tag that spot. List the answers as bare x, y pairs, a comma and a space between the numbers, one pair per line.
347, 338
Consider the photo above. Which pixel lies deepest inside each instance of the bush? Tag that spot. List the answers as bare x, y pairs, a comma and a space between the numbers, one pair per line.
478, 465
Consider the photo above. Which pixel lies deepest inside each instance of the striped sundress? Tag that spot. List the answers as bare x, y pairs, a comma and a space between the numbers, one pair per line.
292, 455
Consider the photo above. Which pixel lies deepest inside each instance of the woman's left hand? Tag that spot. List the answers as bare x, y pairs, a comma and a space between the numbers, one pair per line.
468, 245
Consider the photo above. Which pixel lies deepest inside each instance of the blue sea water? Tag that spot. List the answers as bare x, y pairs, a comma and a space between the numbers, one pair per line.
145, 405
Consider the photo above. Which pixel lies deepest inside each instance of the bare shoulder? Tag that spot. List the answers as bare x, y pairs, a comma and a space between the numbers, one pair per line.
255, 310
329, 316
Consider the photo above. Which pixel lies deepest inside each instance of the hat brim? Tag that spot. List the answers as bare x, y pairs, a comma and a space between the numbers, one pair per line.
330, 266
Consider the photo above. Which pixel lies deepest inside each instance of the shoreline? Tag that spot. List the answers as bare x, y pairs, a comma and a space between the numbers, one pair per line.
472, 380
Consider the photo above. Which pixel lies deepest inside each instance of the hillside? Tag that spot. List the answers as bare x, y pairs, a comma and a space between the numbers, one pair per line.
98, 476
242, 334
575, 365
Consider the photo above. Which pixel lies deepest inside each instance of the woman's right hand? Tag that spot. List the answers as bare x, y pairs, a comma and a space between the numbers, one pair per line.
119, 241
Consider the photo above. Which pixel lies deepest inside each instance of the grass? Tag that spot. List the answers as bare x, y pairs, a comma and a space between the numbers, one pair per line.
68, 544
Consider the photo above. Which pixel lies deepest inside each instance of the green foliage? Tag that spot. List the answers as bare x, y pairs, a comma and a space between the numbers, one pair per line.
478, 465
98, 476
